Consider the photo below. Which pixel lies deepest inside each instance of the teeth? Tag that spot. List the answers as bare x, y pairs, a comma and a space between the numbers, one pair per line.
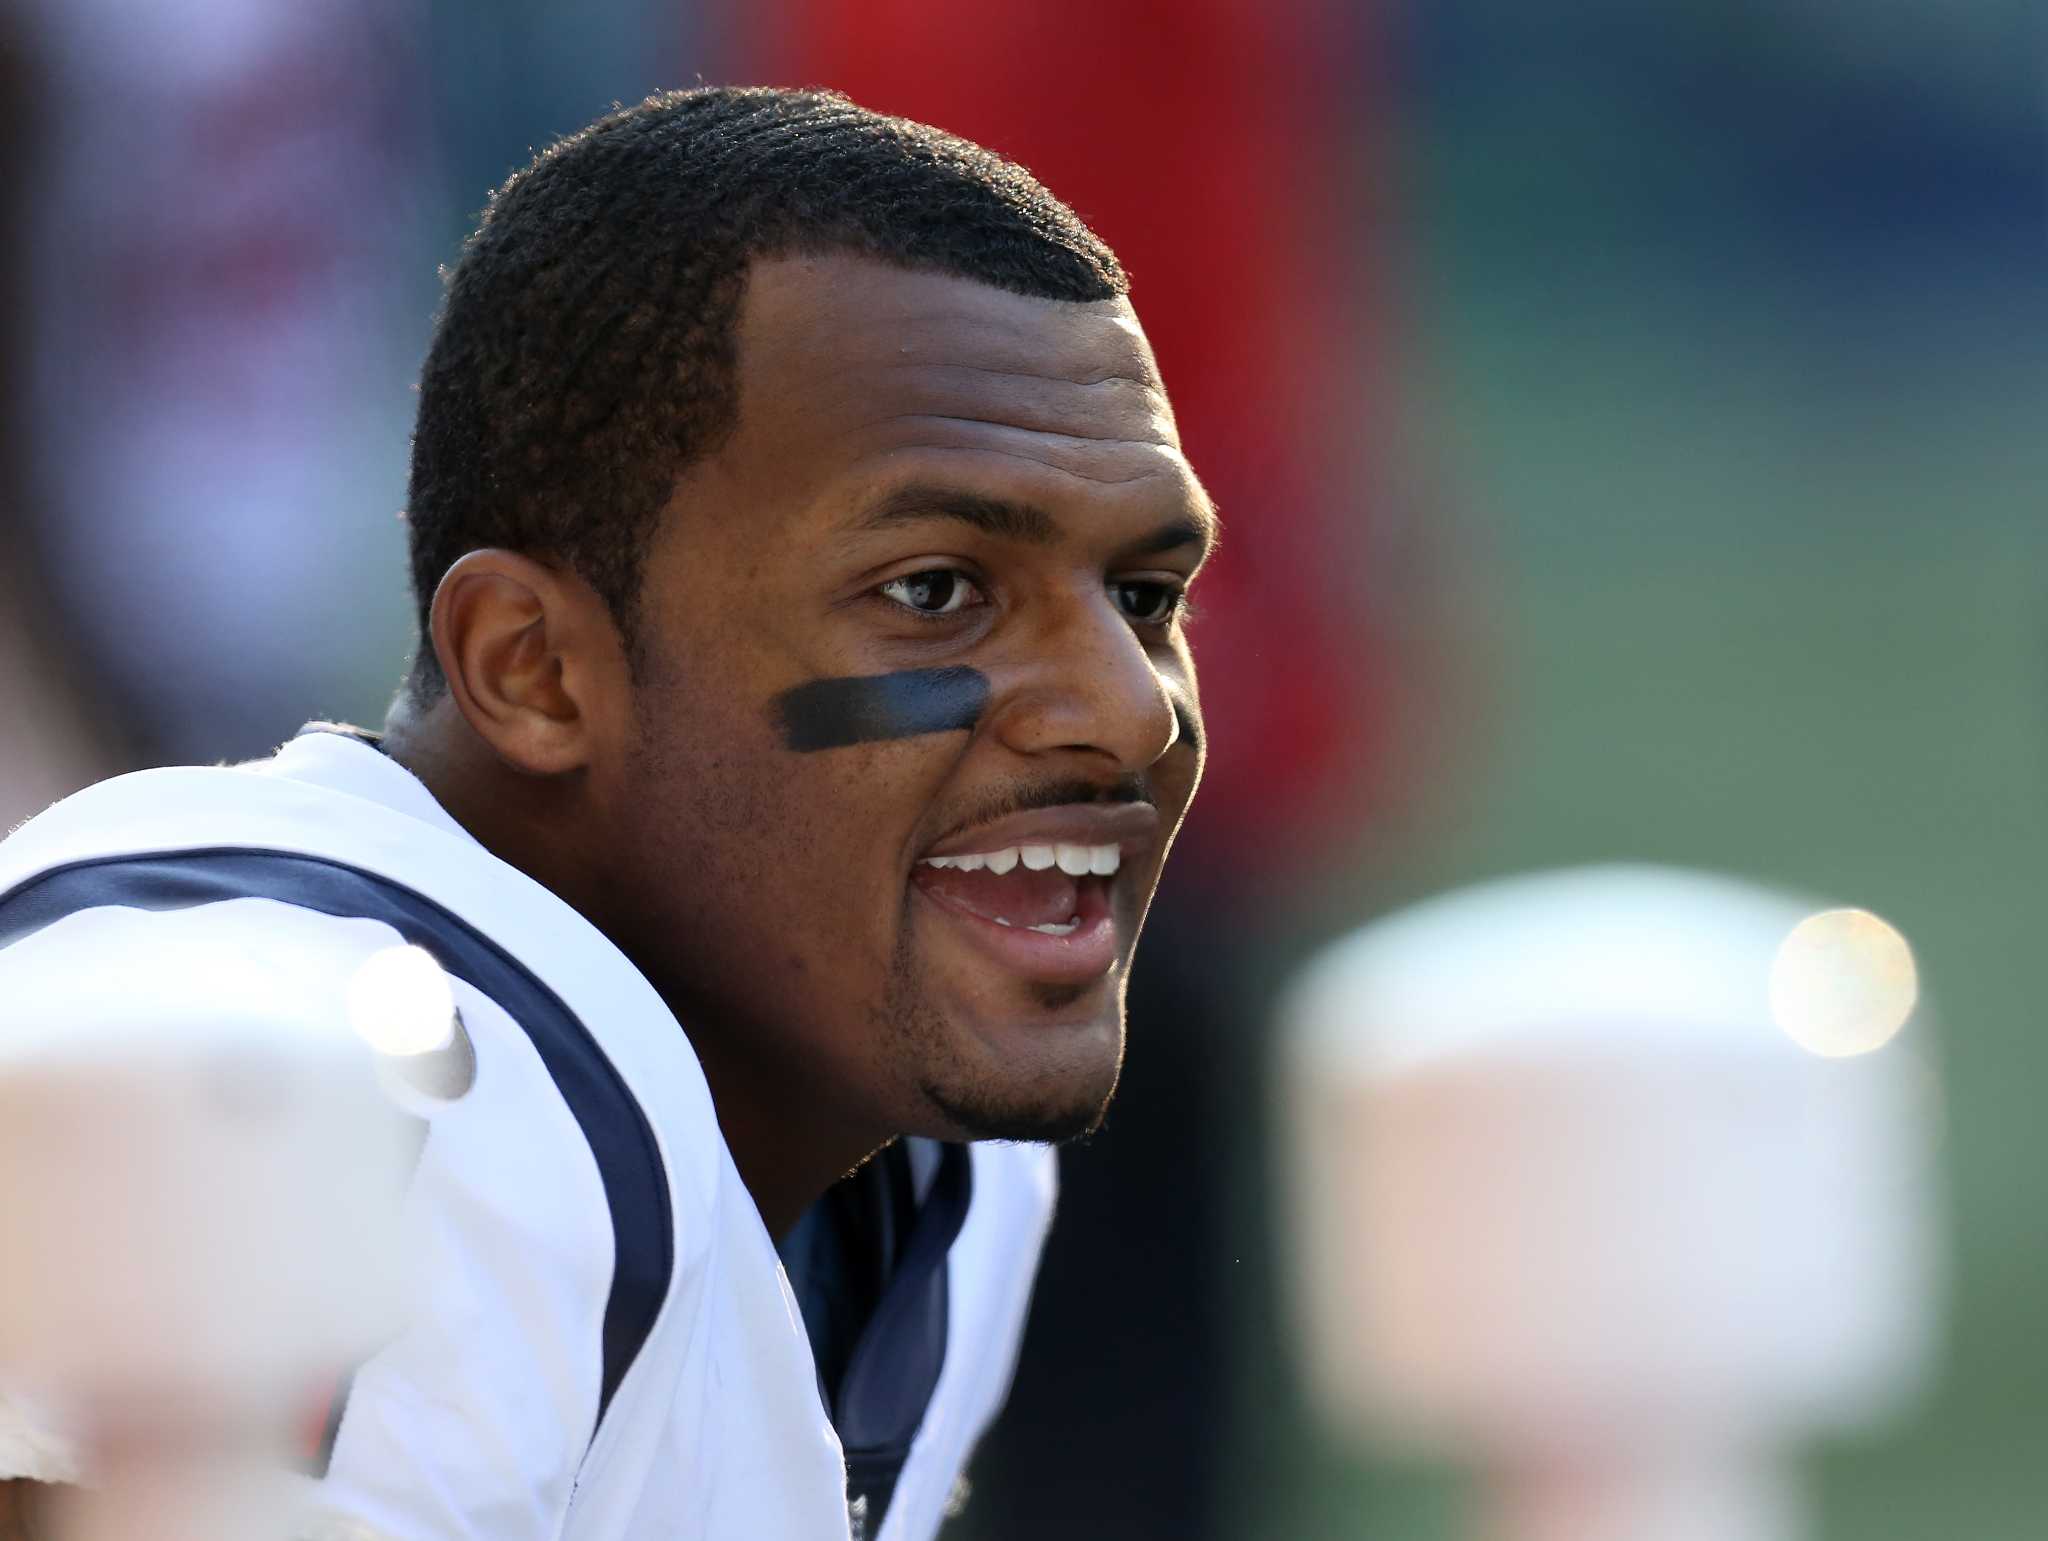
1074, 860
1059, 927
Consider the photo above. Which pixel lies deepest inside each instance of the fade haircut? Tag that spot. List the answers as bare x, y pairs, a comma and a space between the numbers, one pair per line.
586, 350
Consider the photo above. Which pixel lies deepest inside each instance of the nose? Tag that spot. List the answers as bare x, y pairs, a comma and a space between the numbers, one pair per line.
1086, 684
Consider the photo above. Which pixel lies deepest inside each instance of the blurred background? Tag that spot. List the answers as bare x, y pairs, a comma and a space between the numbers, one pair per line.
1628, 424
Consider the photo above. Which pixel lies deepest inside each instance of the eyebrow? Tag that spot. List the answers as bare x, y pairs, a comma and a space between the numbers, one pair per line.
1200, 531
992, 516
1011, 520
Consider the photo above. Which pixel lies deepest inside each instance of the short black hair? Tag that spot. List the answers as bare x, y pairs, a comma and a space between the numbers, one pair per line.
585, 353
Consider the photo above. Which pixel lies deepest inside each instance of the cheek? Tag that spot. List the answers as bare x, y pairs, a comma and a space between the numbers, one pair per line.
781, 871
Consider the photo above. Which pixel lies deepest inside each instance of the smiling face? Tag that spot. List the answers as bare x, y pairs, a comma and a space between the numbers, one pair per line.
912, 630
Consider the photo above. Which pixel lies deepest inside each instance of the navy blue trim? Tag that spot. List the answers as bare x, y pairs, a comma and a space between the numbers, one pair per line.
880, 1404
613, 1122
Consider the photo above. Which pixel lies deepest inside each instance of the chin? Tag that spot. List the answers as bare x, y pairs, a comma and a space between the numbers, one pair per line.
1025, 1060
1048, 1112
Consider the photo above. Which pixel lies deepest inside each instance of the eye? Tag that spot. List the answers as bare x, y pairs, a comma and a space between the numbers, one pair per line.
1147, 603
935, 591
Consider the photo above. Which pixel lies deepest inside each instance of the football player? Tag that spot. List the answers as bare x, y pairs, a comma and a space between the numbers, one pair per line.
803, 713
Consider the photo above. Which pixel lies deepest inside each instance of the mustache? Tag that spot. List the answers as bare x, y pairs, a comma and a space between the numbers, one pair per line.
1030, 797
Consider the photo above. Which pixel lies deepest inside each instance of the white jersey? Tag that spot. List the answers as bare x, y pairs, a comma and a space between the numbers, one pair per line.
607, 1348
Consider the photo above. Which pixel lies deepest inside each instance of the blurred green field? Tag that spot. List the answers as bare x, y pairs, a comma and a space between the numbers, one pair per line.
1757, 492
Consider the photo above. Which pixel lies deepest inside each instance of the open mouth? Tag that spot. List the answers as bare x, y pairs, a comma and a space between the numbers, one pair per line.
1042, 910
1042, 888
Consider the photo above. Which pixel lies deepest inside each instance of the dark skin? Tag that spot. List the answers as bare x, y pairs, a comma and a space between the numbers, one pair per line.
17, 1499
927, 472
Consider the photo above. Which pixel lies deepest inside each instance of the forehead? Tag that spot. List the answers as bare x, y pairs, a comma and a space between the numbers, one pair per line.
853, 371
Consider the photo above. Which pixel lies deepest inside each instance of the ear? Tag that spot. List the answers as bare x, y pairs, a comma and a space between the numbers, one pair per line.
532, 657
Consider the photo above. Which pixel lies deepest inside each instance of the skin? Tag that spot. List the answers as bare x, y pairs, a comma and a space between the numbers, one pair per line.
1027, 447
17, 1499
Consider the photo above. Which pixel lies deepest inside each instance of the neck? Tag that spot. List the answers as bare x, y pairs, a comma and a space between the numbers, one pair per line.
778, 1128
785, 1145
534, 823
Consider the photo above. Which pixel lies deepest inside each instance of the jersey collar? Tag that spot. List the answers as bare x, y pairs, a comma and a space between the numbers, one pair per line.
348, 760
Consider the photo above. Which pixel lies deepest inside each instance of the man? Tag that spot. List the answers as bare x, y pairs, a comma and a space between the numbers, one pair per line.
803, 715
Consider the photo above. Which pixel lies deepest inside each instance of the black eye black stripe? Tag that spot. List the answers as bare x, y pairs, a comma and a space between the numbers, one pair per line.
871, 708
830, 714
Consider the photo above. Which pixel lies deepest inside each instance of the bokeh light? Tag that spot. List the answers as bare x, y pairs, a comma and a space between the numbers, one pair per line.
400, 1002
1843, 983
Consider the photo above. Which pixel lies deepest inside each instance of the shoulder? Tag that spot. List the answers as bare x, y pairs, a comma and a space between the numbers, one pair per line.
536, 1213
583, 1150
161, 941
187, 896
573, 1200
331, 827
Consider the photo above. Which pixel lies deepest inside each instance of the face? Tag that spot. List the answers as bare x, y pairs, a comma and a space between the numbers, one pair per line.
914, 631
